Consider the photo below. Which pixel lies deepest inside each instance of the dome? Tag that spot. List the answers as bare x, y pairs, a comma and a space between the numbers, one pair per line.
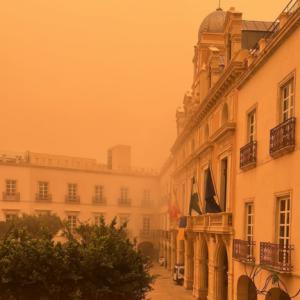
213, 23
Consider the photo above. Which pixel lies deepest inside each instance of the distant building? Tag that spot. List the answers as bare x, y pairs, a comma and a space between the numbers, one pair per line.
80, 189
237, 140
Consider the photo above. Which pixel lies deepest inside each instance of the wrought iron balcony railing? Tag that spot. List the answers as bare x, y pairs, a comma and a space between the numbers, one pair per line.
243, 250
99, 200
72, 199
146, 233
288, 11
11, 196
124, 202
248, 155
43, 197
282, 138
276, 256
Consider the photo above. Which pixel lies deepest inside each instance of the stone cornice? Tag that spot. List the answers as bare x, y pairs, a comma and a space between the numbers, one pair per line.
291, 25
103, 172
220, 89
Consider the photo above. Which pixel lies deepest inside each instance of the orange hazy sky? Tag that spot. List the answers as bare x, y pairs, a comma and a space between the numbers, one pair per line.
78, 76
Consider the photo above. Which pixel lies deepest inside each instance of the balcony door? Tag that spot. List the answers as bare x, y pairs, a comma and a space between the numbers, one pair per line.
283, 227
287, 100
224, 182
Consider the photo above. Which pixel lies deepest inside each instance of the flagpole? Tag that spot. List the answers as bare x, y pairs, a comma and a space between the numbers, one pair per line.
213, 181
190, 208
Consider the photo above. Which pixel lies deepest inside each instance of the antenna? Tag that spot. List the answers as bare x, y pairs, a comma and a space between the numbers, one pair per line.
219, 8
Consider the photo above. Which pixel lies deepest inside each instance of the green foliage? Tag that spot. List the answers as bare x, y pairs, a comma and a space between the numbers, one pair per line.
36, 226
97, 262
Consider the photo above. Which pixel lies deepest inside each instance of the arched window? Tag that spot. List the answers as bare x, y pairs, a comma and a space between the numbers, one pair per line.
225, 114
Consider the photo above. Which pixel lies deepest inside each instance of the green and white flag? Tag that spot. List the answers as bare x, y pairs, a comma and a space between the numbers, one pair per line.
194, 201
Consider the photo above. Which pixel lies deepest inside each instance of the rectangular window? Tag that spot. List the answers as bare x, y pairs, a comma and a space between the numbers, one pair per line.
249, 228
205, 174
43, 189
283, 228
124, 218
224, 183
11, 187
72, 222
249, 222
287, 92
98, 218
72, 191
251, 126
146, 225
124, 200
10, 216
99, 193
146, 199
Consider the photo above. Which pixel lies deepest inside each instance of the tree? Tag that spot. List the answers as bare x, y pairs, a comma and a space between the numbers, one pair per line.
97, 262
34, 225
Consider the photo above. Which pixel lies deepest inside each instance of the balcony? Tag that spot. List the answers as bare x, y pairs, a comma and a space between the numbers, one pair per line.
124, 202
43, 197
282, 138
276, 257
215, 223
248, 155
99, 200
72, 199
146, 234
11, 197
243, 251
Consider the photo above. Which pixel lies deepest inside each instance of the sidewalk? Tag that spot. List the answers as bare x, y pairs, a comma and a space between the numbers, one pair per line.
165, 289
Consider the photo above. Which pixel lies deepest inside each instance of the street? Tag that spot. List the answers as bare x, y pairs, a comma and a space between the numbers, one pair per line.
165, 289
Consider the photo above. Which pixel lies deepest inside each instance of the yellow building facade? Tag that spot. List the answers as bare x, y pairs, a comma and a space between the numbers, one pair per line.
81, 189
244, 85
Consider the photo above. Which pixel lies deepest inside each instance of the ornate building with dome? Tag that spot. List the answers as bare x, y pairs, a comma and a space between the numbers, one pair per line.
207, 209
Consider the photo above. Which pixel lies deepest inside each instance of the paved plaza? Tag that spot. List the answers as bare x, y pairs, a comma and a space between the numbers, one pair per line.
165, 289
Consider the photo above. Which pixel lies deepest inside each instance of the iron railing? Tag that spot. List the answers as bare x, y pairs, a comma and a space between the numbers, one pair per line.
243, 250
99, 200
282, 137
276, 256
248, 155
43, 197
288, 11
11, 196
124, 202
72, 199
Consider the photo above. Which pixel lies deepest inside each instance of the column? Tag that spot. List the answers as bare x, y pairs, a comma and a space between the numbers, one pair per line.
197, 263
188, 263
173, 248
212, 274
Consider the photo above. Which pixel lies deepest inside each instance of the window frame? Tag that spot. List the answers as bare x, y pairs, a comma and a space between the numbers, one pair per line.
99, 193
251, 134
41, 191
247, 224
8, 187
291, 77
72, 196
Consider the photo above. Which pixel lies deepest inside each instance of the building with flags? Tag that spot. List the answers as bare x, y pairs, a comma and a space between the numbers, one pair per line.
214, 171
